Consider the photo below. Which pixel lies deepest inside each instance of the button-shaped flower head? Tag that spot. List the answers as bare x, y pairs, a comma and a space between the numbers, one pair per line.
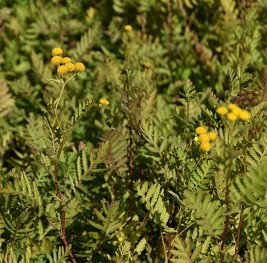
212, 135
204, 137
70, 66
103, 102
128, 28
234, 109
244, 115
222, 110
231, 116
66, 60
201, 130
56, 60
62, 70
205, 146
57, 51
79, 67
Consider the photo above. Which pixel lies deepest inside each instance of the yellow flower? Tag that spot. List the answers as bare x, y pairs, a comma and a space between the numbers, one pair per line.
79, 67
244, 115
231, 116
204, 137
232, 106
236, 111
103, 102
62, 70
128, 28
120, 239
222, 110
201, 130
205, 146
66, 60
70, 66
56, 60
212, 135
57, 51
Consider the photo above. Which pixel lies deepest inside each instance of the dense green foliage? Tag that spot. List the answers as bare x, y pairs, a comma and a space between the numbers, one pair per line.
130, 181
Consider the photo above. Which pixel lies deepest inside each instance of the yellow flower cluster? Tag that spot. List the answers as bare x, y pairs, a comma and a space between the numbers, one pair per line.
233, 112
205, 138
65, 64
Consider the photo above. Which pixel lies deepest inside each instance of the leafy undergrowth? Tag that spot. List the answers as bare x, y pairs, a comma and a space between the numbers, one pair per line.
133, 131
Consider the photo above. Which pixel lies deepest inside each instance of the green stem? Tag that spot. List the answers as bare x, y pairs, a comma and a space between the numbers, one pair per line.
61, 93
130, 148
237, 244
60, 96
227, 203
164, 247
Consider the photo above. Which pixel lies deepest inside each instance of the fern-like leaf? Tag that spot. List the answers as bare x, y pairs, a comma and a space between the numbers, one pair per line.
81, 110
153, 197
252, 187
140, 246
209, 215
6, 100
107, 222
24, 187
59, 255
43, 70
257, 154
117, 150
234, 83
257, 254
156, 143
109, 219
184, 252
200, 178
87, 41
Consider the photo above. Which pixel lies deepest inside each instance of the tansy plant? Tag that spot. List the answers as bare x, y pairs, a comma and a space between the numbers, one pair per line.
67, 71
149, 153
57, 134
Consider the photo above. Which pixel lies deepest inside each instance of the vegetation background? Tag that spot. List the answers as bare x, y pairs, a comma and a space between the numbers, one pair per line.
128, 178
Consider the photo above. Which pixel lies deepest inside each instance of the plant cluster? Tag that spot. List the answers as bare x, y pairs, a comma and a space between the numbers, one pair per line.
148, 143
